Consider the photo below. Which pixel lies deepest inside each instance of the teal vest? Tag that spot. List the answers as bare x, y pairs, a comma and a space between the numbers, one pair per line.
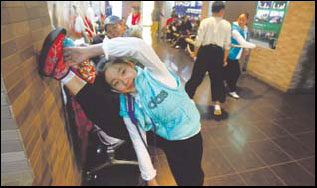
175, 116
233, 53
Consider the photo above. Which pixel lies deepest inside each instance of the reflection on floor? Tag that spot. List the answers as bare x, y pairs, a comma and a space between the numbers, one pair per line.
268, 137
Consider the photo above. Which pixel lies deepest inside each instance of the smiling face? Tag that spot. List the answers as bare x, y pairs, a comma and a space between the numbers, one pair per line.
120, 76
115, 30
242, 20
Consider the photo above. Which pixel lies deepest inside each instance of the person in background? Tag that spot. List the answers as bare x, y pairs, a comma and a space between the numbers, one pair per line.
79, 26
239, 38
168, 27
114, 27
185, 31
190, 46
171, 30
90, 13
136, 16
212, 46
246, 52
156, 20
136, 25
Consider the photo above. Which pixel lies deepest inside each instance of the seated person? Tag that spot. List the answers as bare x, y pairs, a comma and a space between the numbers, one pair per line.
190, 45
168, 29
174, 30
185, 31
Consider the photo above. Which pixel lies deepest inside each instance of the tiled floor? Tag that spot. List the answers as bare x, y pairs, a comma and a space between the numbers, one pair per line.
267, 138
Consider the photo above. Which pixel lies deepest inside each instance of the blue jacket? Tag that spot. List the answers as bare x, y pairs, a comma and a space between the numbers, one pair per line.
234, 52
174, 114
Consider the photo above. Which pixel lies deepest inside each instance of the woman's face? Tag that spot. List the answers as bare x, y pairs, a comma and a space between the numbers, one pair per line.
121, 77
242, 20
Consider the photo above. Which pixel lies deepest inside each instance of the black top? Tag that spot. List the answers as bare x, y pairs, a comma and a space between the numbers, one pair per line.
102, 107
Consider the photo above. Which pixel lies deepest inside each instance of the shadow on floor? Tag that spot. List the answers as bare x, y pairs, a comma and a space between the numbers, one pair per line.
207, 113
248, 94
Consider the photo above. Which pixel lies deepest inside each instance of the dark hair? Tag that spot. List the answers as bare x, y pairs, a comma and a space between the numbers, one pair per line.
102, 66
102, 69
217, 6
136, 8
245, 13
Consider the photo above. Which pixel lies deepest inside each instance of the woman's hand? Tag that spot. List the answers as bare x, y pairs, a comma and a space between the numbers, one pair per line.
75, 55
246, 52
152, 182
225, 63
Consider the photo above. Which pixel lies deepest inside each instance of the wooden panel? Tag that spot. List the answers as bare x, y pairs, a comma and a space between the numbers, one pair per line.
36, 101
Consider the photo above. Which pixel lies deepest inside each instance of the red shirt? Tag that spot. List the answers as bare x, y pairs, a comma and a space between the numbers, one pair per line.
136, 18
170, 20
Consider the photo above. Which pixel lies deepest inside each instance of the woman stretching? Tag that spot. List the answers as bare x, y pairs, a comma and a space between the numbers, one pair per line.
153, 99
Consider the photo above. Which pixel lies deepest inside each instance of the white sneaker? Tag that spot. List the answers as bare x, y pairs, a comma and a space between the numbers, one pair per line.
234, 95
177, 47
217, 111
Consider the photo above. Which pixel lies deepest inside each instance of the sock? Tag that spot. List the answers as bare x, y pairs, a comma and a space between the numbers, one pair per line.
67, 78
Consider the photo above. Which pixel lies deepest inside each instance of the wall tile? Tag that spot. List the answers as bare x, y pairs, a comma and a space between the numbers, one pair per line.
17, 14
8, 124
12, 3
4, 101
11, 146
5, 112
10, 135
6, 33
5, 17
36, 101
8, 49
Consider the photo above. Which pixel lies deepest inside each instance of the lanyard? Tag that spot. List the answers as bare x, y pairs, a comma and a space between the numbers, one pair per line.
130, 107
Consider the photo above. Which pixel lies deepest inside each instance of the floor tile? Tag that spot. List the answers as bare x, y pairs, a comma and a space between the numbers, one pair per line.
263, 177
231, 180
293, 175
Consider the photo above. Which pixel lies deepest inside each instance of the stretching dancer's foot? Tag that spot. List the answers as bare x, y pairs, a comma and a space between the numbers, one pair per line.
51, 61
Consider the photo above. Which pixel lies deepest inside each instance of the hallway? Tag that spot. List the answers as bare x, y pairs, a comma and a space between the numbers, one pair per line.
268, 137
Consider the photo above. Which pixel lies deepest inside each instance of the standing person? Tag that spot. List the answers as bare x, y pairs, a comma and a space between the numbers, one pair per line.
212, 45
150, 99
246, 52
156, 20
90, 13
79, 26
239, 38
136, 16
136, 25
